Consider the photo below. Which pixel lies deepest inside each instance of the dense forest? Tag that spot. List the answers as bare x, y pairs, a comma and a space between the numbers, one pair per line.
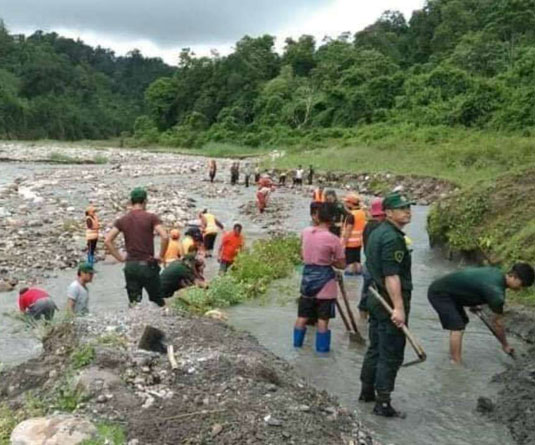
464, 63
53, 87
455, 63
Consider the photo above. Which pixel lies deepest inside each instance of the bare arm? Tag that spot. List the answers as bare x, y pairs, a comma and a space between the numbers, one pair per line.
109, 242
70, 306
164, 239
393, 287
219, 224
499, 328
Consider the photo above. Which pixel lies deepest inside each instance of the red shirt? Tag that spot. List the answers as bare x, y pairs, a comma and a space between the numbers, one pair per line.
230, 246
30, 297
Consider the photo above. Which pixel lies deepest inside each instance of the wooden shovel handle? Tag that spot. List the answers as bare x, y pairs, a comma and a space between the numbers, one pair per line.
412, 340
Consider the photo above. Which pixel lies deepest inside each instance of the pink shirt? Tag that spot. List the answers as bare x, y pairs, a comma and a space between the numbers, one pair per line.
320, 247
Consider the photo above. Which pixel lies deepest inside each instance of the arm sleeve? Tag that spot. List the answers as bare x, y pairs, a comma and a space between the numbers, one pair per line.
89, 223
393, 252
118, 224
496, 299
72, 292
339, 252
155, 220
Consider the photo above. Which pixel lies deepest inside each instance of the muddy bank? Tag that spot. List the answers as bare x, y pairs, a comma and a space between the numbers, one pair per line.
515, 401
227, 388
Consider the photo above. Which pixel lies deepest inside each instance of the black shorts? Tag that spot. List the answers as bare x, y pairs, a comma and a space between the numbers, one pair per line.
452, 315
209, 241
352, 255
310, 307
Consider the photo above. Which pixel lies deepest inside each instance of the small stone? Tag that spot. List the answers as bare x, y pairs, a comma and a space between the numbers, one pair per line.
216, 429
304, 408
286, 434
272, 421
145, 369
271, 387
102, 399
484, 405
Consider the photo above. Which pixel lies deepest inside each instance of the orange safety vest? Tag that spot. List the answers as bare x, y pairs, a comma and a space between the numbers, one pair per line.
355, 238
92, 234
319, 196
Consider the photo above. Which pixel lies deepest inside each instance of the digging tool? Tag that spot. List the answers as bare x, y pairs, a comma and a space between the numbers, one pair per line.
422, 356
354, 334
488, 324
154, 340
343, 316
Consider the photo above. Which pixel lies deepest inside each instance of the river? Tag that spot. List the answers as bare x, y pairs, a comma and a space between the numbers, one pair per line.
439, 398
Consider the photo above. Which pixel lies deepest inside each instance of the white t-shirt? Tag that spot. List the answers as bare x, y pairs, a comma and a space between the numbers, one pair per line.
80, 295
299, 173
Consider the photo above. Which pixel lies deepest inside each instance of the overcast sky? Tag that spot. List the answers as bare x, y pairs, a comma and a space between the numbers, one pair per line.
162, 27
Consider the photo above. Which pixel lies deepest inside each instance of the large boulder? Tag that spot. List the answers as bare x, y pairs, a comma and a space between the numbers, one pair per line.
55, 430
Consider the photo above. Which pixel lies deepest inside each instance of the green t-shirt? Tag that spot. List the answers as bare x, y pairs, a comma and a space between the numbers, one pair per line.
172, 277
473, 286
386, 255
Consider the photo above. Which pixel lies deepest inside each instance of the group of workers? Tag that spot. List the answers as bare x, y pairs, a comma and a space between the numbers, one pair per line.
334, 240
332, 244
183, 259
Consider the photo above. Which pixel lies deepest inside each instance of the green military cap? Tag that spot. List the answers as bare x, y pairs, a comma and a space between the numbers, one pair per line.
396, 201
86, 268
138, 194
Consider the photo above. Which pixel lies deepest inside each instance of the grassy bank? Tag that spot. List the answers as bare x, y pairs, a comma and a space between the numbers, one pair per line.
493, 218
249, 277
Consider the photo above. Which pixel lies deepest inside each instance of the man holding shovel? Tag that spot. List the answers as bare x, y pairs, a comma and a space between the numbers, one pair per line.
389, 264
473, 287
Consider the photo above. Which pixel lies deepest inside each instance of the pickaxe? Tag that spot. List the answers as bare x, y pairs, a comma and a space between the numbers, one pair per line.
422, 356
353, 330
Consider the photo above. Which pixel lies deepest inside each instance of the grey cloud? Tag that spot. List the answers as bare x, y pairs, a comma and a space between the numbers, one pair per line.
165, 22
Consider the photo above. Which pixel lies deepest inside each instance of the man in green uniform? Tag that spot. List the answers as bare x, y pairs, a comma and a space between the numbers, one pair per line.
389, 264
181, 274
473, 287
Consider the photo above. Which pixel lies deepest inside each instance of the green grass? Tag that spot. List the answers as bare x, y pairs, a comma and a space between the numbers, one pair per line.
82, 356
107, 434
458, 155
252, 272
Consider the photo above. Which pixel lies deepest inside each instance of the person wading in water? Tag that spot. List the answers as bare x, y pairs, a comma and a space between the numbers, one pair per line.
388, 260
141, 270
321, 251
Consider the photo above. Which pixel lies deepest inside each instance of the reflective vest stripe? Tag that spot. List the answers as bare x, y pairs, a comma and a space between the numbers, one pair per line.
92, 234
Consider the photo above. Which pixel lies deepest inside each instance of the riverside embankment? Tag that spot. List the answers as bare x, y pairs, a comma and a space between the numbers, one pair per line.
440, 400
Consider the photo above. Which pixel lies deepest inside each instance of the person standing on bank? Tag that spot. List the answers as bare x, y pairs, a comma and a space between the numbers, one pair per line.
141, 270
212, 169
321, 252
247, 172
473, 287
389, 263
298, 178
210, 225
310, 175
91, 232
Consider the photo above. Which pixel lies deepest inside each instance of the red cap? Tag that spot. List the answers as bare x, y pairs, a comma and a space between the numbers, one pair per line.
377, 207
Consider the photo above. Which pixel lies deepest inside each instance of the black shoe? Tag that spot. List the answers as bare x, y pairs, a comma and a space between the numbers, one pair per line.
385, 409
367, 396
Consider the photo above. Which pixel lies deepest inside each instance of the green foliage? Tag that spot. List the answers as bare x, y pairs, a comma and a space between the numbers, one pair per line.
251, 273
108, 434
82, 356
59, 88
66, 398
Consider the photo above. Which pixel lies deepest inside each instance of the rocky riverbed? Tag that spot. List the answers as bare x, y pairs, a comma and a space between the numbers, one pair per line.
227, 389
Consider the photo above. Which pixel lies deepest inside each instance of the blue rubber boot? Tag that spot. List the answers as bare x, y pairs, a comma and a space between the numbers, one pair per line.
90, 259
299, 337
323, 341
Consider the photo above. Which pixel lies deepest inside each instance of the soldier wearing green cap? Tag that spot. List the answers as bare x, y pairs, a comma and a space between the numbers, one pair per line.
389, 264
142, 270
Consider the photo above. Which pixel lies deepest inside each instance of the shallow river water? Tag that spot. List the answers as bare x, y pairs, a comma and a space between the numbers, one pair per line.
439, 399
